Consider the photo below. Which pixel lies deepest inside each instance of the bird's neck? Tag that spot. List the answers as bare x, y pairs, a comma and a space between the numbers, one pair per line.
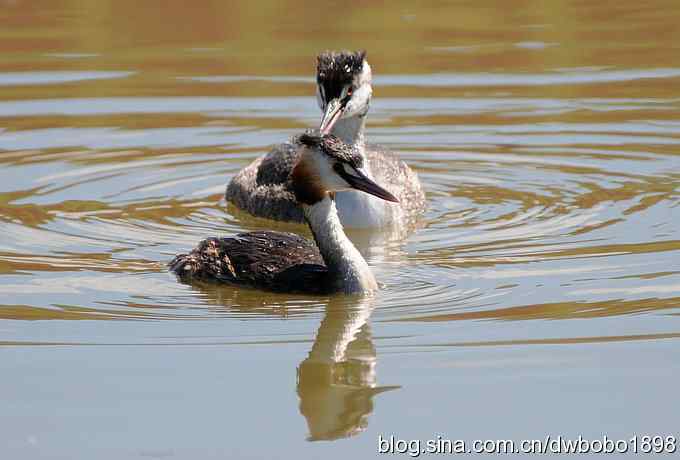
347, 268
351, 131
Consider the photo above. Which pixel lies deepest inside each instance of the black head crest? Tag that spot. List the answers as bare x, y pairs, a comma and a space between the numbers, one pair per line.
333, 147
337, 69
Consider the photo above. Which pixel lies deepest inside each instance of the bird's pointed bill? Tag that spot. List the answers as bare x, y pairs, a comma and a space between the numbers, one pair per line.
331, 115
362, 182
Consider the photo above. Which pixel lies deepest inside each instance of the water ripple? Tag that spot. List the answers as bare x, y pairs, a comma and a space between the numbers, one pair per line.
55, 77
528, 218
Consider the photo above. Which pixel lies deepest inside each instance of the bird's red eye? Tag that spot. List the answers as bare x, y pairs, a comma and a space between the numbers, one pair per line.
349, 91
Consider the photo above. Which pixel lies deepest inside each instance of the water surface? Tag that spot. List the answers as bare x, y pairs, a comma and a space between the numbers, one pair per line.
540, 293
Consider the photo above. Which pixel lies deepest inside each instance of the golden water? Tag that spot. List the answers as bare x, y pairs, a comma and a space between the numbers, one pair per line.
540, 294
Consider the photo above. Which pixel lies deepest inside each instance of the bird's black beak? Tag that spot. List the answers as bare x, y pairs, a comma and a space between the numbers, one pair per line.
359, 181
332, 114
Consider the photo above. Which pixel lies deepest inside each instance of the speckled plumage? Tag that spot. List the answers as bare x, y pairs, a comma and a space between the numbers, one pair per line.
275, 261
264, 188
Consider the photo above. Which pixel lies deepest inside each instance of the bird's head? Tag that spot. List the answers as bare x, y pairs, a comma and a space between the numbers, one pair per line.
327, 164
343, 86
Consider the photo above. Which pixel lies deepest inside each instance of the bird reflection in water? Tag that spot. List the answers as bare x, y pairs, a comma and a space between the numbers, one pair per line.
337, 381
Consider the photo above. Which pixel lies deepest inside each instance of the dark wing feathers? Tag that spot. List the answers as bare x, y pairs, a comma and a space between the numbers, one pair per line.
277, 165
313, 277
264, 187
274, 261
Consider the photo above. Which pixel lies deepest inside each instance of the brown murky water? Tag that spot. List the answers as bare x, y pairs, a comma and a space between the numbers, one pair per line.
540, 295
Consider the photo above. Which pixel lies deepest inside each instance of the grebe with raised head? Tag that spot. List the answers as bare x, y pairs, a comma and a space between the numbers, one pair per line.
264, 188
286, 262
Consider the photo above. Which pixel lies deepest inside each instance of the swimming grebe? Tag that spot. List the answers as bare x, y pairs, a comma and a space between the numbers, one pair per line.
264, 188
279, 261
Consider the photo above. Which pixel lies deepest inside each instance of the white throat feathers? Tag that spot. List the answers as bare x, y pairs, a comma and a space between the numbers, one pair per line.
348, 270
351, 131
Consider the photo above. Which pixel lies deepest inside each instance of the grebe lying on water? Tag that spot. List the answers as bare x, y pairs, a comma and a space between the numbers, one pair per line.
279, 261
264, 188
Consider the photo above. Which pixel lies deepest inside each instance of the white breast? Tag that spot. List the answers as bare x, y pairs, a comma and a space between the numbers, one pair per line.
361, 210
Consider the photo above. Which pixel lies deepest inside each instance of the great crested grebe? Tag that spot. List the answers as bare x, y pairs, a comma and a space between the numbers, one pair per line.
281, 262
264, 188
